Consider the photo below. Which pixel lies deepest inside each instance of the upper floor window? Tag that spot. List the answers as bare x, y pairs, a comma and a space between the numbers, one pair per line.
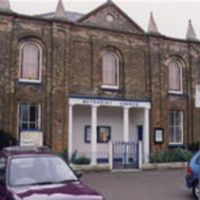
175, 77
30, 62
110, 70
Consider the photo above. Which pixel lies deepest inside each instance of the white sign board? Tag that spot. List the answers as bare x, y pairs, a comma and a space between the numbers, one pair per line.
107, 102
31, 138
197, 96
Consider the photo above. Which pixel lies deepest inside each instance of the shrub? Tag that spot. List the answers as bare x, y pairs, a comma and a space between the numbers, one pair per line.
82, 160
157, 157
194, 146
64, 155
177, 155
187, 155
6, 139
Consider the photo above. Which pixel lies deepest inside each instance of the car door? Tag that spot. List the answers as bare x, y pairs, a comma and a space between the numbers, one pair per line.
3, 190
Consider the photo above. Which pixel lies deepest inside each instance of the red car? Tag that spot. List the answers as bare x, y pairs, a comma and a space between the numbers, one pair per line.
35, 173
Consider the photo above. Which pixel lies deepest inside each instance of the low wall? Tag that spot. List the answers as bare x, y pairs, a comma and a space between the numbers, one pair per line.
90, 168
174, 165
145, 166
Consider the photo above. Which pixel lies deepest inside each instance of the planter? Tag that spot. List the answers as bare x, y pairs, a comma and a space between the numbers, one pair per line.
173, 165
86, 168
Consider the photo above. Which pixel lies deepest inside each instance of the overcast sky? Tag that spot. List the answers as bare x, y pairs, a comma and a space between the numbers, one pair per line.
171, 16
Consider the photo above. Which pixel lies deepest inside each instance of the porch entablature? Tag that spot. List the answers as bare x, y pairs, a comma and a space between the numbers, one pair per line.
95, 101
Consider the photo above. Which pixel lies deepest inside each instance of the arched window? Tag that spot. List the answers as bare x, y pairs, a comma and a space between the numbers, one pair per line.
175, 77
110, 70
30, 62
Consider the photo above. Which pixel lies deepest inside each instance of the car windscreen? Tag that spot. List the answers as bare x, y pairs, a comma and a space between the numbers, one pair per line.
39, 170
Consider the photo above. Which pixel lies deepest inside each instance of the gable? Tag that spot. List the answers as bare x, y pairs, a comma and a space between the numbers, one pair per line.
109, 16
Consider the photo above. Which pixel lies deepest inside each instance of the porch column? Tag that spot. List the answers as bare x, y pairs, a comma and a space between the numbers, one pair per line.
146, 135
70, 130
126, 125
94, 136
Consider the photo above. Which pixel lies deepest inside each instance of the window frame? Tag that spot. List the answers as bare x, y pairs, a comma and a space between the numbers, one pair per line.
20, 118
171, 91
181, 127
24, 80
105, 86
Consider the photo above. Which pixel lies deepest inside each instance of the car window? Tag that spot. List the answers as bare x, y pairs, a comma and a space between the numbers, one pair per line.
198, 161
2, 162
39, 170
2, 166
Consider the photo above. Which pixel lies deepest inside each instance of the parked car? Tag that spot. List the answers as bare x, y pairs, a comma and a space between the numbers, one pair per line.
36, 173
193, 174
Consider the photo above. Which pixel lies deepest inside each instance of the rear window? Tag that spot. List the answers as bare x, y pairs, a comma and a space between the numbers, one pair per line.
2, 163
198, 160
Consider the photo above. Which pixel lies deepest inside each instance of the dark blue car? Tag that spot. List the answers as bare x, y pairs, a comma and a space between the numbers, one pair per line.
193, 174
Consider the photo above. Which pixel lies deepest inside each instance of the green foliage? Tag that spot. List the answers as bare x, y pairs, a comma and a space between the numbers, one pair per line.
176, 155
6, 139
82, 160
64, 155
194, 146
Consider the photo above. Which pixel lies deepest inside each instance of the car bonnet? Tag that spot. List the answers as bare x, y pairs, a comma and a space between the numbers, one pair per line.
69, 191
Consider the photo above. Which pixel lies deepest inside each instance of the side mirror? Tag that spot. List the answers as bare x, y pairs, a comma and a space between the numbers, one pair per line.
78, 174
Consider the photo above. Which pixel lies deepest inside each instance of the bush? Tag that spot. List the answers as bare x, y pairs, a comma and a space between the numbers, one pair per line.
82, 160
177, 155
6, 139
64, 155
194, 146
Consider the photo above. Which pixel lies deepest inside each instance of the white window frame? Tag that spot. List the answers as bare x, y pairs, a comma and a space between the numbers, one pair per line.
19, 116
180, 126
113, 87
181, 79
21, 79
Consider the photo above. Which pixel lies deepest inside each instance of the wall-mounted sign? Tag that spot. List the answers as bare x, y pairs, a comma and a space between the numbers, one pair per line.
197, 96
108, 102
31, 138
103, 134
158, 135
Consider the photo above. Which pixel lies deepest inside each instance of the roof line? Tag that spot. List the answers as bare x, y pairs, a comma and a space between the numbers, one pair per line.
117, 8
15, 15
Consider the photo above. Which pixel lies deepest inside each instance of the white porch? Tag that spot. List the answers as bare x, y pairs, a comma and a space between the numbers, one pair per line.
120, 118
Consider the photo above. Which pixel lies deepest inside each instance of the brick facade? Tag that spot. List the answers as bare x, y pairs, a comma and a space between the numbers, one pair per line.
71, 65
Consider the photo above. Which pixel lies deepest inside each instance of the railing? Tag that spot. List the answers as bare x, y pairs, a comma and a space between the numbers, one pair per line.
125, 155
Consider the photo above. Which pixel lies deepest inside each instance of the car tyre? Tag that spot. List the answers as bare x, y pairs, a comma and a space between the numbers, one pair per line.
195, 190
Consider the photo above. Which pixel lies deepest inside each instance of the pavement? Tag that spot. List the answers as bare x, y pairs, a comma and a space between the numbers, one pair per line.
140, 185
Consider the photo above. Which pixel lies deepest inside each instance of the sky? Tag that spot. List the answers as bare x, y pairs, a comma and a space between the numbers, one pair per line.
171, 16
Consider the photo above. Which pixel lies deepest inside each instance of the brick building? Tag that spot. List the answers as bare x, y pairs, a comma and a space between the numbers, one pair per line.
86, 79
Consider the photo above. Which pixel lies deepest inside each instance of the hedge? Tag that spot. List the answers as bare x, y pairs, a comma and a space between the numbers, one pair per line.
176, 155
6, 139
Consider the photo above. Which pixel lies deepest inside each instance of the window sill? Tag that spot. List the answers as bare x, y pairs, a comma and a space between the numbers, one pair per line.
30, 81
175, 92
31, 130
110, 88
175, 145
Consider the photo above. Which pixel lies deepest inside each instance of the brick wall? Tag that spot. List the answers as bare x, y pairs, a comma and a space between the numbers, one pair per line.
72, 65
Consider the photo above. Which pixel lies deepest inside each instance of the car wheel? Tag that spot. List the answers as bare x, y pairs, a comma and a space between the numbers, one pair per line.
195, 190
